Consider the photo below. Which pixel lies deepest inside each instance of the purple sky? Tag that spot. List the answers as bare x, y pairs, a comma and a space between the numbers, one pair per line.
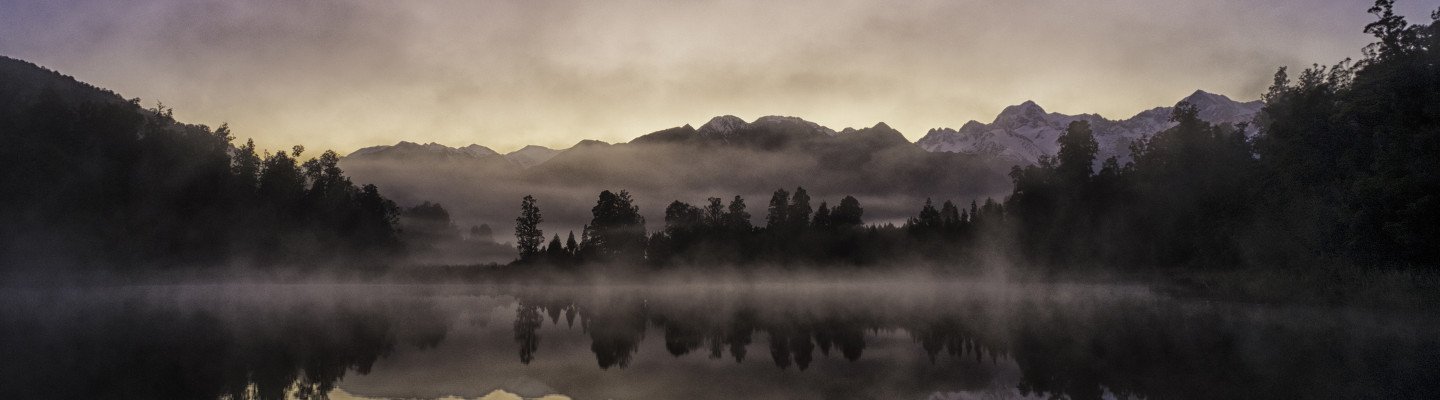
343, 75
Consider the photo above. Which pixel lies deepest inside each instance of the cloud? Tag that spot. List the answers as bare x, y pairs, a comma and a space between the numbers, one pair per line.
343, 75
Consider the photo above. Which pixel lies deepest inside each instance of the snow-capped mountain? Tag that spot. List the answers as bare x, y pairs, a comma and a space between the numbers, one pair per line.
796, 124
721, 126
531, 155
1021, 133
1026, 131
770, 132
727, 128
526, 157
431, 150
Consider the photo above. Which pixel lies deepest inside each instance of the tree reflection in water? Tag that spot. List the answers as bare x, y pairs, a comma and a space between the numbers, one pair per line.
278, 342
1137, 349
131, 346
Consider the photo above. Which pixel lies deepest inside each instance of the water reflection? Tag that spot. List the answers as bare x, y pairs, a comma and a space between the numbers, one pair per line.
946, 341
1071, 347
139, 344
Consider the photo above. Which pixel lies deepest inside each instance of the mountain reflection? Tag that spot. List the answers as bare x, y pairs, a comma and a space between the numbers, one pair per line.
280, 342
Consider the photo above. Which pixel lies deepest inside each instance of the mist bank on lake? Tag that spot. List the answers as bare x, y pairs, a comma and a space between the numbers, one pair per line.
876, 165
1338, 172
792, 340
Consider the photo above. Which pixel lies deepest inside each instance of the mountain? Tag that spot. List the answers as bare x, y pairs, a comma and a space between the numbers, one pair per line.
410, 150
1019, 134
92, 181
1025, 132
728, 155
23, 83
724, 157
526, 157
768, 132
532, 155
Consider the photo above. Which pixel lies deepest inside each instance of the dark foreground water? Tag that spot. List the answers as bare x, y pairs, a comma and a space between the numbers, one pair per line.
778, 341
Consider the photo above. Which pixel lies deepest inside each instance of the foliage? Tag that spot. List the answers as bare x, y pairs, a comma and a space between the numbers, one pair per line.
616, 231
528, 235
92, 182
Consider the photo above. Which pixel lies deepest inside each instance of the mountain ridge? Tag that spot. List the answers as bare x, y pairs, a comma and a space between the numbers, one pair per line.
1025, 132
1020, 133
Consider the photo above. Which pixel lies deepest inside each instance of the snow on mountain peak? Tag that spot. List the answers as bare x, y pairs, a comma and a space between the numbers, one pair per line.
1028, 107
1020, 114
1203, 99
1024, 132
406, 149
722, 125
793, 123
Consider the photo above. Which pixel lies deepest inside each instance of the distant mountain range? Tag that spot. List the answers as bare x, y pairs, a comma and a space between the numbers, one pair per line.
724, 157
1019, 134
526, 157
1025, 132
729, 156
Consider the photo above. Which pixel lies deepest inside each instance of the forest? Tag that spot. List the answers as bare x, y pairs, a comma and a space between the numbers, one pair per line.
99, 183
1343, 170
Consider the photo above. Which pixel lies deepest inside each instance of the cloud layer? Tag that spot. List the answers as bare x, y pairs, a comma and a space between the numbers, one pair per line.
344, 75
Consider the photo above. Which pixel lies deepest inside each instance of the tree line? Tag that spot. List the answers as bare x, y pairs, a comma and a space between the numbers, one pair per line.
109, 185
794, 232
1342, 170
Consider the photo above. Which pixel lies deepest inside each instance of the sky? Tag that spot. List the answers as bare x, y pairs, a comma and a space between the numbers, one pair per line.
504, 74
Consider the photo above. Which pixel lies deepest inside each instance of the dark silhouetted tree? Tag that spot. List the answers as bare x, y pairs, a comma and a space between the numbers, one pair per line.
950, 216
736, 218
798, 216
247, 166
822, 218
571, 248
1076, 159
684, 220
528, 235
848, 214
714, 213
616, 231
928, 221
555, 251
779, 209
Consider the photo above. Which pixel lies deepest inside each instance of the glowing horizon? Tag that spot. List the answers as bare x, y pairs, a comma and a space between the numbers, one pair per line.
507, 74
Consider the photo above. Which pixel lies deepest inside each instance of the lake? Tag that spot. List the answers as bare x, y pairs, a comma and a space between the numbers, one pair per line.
834, 340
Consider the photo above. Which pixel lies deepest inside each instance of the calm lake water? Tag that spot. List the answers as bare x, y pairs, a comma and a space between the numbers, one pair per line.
771, 341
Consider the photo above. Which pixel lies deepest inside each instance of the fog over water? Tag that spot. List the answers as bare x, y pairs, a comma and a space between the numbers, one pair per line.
1282, 248
835, 339
890, 176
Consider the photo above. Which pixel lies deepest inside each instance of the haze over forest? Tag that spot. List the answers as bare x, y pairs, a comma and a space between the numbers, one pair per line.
719, 199
1206, 181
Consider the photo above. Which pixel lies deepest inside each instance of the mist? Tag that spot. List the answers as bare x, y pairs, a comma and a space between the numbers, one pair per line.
891, 180
518, 73
896, 338
1284, 247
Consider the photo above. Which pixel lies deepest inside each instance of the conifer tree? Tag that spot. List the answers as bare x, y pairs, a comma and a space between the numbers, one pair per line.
821, 221
779, 209
798, 216
528, 235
